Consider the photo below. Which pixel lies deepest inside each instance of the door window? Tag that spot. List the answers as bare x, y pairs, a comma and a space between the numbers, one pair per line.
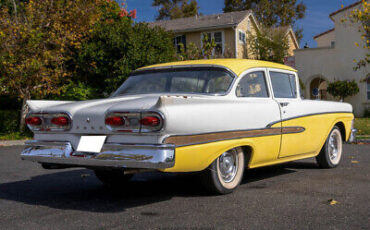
252, 85
283, 85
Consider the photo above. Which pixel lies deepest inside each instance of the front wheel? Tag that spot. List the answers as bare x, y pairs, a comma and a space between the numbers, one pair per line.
331, 153
225, 173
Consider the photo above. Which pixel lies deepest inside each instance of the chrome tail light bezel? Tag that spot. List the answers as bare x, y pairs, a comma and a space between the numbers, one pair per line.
47, 125
132, 121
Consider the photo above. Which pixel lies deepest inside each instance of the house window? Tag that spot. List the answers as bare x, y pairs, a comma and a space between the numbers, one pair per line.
368, 88
332, 44
249, 25
219, 40
178, 40
242, 37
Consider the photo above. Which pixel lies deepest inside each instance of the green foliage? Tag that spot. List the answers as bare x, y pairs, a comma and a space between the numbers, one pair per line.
361, 16
343, 89
268, 44
16, 136
115, 49
75, 91
172, 9
8, 121
271, 13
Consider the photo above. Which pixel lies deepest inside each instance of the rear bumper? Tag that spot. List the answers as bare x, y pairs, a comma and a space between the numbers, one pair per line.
112, 155
352, 137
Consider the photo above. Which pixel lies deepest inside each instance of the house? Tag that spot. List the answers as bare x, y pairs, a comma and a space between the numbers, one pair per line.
229, 31
333, 59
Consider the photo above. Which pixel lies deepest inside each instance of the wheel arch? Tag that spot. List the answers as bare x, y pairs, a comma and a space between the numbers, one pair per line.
342, 130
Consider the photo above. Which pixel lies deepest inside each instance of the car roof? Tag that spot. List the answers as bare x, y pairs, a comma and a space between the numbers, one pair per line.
238, 66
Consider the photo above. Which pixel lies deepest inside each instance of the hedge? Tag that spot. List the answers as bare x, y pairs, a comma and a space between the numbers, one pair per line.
9, 121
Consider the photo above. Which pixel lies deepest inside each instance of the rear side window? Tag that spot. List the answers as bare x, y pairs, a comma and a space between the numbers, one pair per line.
253, 85
283, 85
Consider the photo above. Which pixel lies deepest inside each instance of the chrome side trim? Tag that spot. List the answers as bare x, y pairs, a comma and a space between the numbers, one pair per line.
203, 138
112, 155
305, 115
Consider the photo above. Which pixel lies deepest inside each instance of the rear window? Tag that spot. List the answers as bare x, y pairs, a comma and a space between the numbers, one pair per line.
192, 81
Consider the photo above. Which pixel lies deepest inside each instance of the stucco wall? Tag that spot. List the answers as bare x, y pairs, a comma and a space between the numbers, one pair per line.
326, 39
336, 63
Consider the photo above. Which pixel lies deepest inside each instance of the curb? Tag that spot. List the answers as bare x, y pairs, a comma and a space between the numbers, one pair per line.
12, 143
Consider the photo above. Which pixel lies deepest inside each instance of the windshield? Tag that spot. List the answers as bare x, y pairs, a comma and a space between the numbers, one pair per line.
200, 81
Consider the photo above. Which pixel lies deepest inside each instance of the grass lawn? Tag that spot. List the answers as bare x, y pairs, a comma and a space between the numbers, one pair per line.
363, 126
15, 136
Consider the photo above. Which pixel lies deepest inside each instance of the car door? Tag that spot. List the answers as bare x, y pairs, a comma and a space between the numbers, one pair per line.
257, 109
285, 87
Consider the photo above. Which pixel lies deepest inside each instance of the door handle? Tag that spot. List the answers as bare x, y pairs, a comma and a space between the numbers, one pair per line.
283, 104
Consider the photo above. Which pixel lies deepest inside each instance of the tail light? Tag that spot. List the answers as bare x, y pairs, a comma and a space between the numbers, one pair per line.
123, 122
49, 121
151, 122
60, 121
114, 121
134, 122
33, 121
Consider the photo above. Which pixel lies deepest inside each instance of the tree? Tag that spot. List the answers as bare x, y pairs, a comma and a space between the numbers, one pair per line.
116, 48
172, 9
35, 44
268, 44
343, 89
362, 16
271, 13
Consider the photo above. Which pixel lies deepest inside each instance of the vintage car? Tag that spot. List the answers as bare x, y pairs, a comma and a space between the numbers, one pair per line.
216, 117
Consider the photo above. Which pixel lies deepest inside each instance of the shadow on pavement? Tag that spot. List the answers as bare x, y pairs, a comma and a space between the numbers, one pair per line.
80, 190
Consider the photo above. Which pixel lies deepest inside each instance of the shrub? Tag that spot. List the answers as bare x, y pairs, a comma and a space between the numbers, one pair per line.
9, 121
343, 89
117, 48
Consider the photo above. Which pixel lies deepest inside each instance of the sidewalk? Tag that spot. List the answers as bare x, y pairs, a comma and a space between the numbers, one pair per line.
12, 143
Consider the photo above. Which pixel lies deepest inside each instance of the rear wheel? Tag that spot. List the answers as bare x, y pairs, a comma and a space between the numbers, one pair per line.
225, 173
331, 153
113, 178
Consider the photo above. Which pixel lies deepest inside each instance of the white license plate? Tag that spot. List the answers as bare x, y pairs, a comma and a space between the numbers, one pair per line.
92, 144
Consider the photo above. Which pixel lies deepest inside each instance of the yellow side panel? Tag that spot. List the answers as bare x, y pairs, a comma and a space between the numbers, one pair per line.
265, 150
313, 138
199, 157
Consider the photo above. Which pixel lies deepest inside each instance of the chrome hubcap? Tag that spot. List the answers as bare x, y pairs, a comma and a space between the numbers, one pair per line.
333, 146
228, 165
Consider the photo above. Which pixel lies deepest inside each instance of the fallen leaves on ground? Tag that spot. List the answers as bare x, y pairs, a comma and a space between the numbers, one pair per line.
333, 202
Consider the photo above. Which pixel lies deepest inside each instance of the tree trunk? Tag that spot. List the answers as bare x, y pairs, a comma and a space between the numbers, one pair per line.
23, 114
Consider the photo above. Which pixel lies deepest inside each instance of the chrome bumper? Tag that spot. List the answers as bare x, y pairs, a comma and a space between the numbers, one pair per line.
352, 137
111, 155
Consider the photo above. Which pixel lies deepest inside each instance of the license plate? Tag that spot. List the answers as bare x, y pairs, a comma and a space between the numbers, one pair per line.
92, 144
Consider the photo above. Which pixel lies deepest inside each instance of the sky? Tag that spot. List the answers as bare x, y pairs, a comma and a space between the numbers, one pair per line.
316, 20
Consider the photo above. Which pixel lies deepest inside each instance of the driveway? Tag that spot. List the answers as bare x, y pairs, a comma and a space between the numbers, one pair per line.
297, 195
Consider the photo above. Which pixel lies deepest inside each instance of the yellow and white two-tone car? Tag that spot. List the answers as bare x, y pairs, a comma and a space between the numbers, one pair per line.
216, 117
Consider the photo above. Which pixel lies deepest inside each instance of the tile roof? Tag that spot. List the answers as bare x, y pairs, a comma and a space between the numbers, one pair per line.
323, 33
344, 8
202, 22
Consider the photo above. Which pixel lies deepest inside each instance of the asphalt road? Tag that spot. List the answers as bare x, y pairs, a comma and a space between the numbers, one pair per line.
291, 196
